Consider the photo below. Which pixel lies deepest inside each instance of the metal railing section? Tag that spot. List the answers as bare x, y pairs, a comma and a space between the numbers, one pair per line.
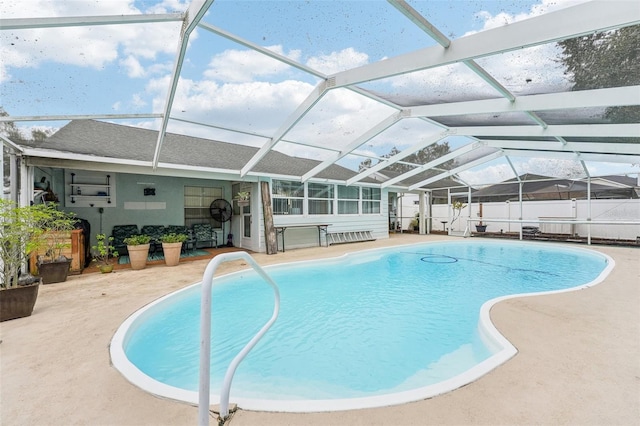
205, 335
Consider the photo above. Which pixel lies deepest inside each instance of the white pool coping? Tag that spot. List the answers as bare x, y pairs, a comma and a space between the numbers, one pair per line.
490, 334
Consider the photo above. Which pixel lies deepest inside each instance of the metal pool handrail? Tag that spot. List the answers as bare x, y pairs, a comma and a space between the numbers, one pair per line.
205, 335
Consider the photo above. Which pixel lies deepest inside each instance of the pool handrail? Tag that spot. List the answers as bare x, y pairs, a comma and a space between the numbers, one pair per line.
205, 335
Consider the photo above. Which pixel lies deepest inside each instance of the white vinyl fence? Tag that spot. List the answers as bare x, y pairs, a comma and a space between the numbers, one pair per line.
537, 211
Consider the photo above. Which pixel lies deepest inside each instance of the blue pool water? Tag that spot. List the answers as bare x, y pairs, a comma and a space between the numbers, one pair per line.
368, 324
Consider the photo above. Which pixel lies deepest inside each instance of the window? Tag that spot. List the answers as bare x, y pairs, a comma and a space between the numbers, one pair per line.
197, 200
320, 198
371, 200
348, 197
288, 197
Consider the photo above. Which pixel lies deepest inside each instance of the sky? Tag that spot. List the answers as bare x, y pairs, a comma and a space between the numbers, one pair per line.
126, 69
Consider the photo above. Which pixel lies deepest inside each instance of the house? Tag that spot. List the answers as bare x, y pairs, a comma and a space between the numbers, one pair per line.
104, 174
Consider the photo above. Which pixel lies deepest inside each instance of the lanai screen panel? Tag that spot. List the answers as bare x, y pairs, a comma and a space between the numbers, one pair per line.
230, 90
443, 84
84, 68
327, 36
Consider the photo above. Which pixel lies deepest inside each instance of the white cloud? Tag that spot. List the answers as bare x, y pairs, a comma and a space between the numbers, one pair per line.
168, 6
138, 101
245, 90
133, 67
236, 66
338, 119
92, 46
338, 61
255, 106
260, 107
537, 9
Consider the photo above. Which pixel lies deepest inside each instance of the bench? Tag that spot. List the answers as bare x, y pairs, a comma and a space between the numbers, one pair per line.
349, 237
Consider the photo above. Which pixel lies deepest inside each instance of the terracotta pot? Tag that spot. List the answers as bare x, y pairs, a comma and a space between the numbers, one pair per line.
171, 253
138, 255
54, 272
18, 302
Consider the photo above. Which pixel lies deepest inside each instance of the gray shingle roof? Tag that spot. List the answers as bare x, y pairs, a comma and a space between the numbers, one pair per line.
108, 140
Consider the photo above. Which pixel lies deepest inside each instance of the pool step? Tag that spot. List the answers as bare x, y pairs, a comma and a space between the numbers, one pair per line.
349, 237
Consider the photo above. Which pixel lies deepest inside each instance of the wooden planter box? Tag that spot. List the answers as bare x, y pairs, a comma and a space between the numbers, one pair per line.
75, 251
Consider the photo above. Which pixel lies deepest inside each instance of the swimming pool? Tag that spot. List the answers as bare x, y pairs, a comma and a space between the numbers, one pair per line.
373, 328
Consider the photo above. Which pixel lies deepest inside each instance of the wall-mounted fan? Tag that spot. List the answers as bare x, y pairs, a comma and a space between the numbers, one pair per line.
221, 211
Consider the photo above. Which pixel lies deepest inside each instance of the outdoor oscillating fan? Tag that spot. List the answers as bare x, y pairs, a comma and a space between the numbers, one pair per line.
221, 211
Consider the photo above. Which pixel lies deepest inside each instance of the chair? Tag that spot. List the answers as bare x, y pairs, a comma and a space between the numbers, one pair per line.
188, 245
155, 232
119, 233
205, 235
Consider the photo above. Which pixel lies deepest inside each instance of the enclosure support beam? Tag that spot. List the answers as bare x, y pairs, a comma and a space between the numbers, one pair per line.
431, 164
562, 24
196, 11
421, 215
361, 140
451, 172
83, 21
314, 97
13, 173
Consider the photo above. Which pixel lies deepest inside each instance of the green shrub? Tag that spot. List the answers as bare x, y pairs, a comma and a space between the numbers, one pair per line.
173, 238
103, 249
137, 240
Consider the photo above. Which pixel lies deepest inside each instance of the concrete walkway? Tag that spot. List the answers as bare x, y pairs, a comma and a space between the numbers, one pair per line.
578, 360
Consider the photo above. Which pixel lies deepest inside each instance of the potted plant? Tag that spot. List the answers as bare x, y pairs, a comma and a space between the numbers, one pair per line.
20, 231
138, 248
242, 198
53, 265
172, 246
415, 222
102, 252
480, 227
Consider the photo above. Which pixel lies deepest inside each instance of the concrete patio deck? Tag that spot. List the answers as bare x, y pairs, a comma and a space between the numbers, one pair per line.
578, 360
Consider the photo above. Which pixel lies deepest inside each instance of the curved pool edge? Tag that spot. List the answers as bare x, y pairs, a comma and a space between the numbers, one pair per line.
488, 331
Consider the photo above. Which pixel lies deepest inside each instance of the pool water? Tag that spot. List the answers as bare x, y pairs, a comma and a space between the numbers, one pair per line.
368, 324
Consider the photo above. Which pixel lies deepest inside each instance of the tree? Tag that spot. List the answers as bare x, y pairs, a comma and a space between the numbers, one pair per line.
605, 59
9, 130
364, 165
423, 156
39, 135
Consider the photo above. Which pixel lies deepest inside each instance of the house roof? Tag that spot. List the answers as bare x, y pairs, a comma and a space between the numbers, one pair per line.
117, 142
